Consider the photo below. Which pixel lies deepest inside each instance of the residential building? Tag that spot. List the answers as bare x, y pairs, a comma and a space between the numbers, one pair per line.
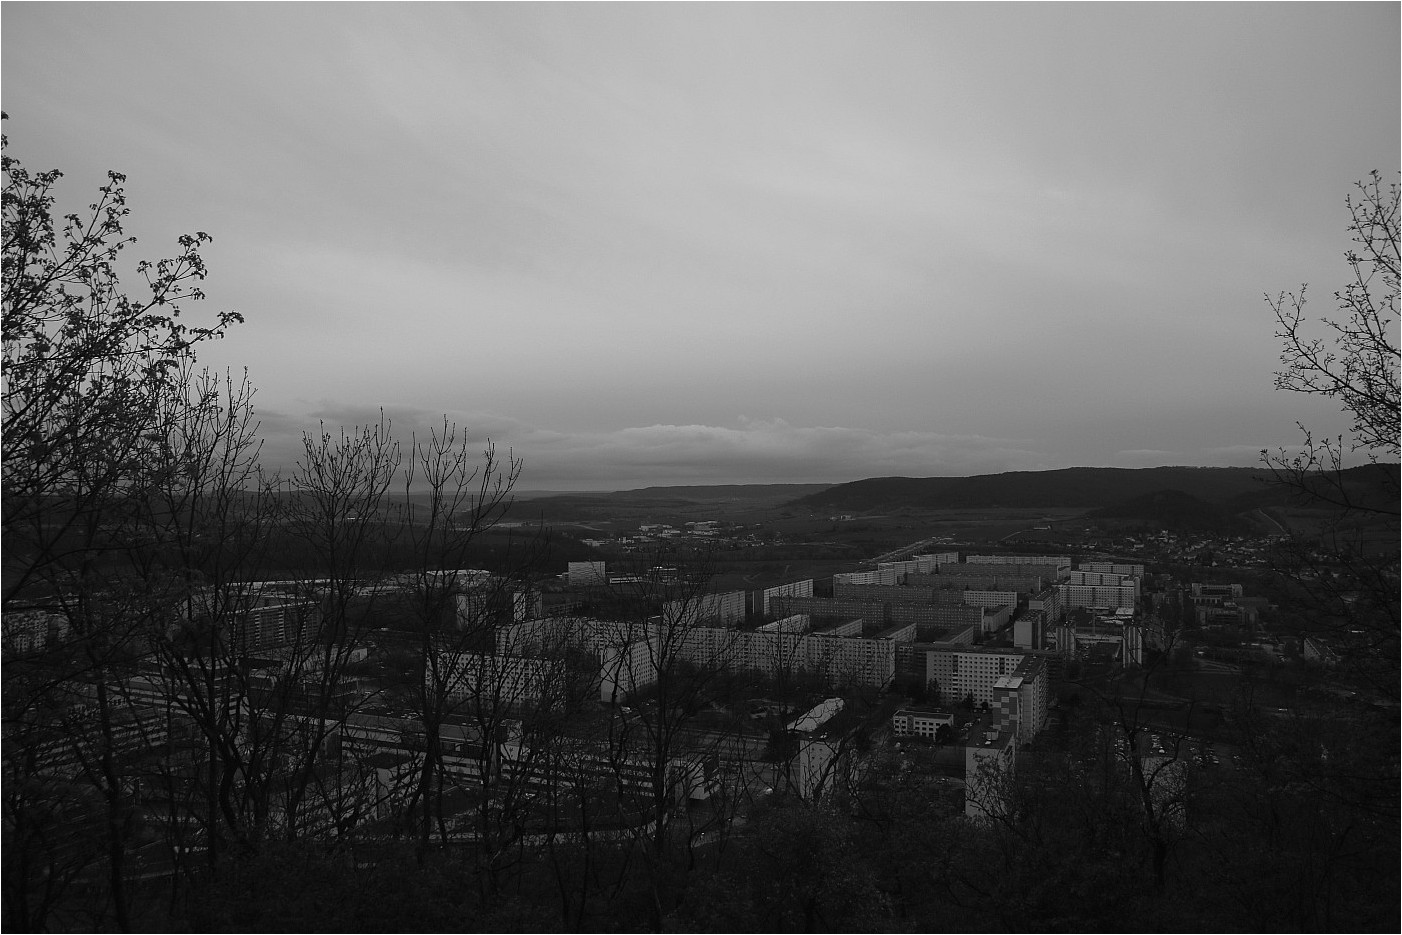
792, 589
1048, 602
921, 722
26, 631
1029, 630
1107, 597
1022, 700
582, 574
1129, 570
841, 660
1058, 562
979, 579
720, 609
511, 682
990, 759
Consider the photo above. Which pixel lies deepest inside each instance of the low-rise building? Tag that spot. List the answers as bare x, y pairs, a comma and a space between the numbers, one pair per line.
921, 722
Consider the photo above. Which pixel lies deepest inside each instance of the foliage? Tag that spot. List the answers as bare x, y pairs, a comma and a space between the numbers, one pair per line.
93, 375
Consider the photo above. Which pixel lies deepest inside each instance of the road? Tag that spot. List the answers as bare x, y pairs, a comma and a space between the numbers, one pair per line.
1214, 667
904, 550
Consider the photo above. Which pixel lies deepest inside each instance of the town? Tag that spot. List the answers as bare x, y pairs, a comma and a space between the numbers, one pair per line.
638, 703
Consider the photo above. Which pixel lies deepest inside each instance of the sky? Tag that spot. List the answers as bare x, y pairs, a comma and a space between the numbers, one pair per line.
706, 243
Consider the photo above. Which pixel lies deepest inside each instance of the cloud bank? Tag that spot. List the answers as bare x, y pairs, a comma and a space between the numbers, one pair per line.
751, 451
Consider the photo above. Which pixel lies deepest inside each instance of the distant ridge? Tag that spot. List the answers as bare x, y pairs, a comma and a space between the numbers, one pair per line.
722, 491
1084, 487
662, 502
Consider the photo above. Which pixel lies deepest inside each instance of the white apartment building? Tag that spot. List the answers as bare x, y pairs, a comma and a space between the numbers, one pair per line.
960, 674
1114, 568
1029, 630
963, 671
1058, 561
723, 609
1023, 699
989, 763
587, 573
842, 660
794, 623
1103, 579
844, 628
989, 598
1048, 602
793, 589
1101, 596
474, 679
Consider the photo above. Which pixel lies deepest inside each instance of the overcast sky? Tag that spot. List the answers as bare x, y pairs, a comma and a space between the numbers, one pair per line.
730, 243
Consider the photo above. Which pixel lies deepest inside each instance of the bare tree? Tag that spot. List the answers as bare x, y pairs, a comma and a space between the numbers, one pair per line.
1342, 572
1357, 365
93, 379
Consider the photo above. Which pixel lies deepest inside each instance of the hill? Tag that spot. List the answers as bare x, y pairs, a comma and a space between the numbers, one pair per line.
1088, 488
664, 503
1234, 490
1175, 511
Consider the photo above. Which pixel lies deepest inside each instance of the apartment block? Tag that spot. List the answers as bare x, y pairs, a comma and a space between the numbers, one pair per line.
1022, 699
1008, 582
1114, 568
1103, 579
490, 602
629, 667
899, 633
793, 589
512, 682
1029, 630
990, 757
1099, 596
723, 609
583, 574
1215, 593
842, 660
1049, 571
931, 619
1080, 635
898, 593
26, 631
990, 598
925, 616
1048, 602
961, 671
1060, 562
842, 628
795, 623
829, 607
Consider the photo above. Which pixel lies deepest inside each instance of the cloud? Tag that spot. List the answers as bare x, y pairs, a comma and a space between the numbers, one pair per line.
760, 451
751, 451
